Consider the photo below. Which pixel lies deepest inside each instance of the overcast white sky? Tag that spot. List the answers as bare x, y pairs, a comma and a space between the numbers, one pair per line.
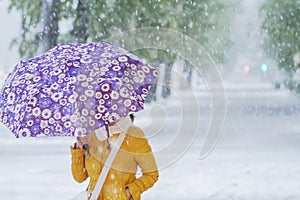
9, 23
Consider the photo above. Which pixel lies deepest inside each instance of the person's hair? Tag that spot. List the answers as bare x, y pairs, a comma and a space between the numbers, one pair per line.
131, 117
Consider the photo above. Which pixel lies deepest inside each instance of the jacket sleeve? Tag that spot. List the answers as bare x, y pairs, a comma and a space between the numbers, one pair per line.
145, 159
78, 165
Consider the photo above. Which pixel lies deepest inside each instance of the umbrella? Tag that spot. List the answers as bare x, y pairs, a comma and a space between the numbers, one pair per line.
73, 89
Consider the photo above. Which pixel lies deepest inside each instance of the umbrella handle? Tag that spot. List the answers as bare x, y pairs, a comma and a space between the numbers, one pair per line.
86, 146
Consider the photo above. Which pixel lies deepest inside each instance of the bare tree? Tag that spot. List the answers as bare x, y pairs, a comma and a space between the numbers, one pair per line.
80, 25
50, 19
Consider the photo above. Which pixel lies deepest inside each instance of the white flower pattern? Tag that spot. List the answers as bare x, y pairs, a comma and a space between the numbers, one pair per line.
50, 93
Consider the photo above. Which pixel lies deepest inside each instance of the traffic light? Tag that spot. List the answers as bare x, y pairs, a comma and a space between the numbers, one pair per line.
264, 67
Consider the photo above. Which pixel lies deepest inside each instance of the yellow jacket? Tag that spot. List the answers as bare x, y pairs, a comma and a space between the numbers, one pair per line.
135, 152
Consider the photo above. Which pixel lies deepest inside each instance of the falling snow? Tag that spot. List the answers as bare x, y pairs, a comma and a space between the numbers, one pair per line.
255, 48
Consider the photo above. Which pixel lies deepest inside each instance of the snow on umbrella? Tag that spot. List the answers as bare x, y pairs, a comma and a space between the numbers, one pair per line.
73, 89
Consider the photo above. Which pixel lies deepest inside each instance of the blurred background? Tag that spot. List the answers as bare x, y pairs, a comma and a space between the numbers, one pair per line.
255, 47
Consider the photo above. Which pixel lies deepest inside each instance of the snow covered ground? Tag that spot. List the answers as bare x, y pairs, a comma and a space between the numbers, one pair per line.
257, 156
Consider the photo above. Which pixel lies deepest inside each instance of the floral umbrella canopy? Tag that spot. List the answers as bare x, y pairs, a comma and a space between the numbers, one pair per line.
74, 89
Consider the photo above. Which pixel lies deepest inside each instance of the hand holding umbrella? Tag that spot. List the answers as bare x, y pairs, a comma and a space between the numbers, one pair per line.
81, 142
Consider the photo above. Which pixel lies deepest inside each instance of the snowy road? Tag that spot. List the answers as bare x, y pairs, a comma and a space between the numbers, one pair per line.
257, 156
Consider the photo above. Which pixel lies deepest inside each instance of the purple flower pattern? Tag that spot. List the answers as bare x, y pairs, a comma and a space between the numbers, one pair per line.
74, 87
